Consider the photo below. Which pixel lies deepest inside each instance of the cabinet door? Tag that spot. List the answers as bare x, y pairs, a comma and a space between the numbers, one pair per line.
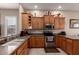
63, 44
46, 19
26, 48
34, 23
40, 42
25, 21
37, 22
32, 42
58, 41
56, 24
61, 22
51, 19
40, 22
69, 46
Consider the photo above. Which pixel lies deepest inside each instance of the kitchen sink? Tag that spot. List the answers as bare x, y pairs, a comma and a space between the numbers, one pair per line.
11, 44
18, 41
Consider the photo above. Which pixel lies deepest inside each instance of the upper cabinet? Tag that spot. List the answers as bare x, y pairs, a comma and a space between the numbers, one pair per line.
62, 22
37, 22
49, 19
26, 20
57, 22
46, 19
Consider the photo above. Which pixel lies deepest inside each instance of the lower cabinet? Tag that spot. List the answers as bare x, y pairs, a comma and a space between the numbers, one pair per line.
57, 42
23, 49
40, 42
76, 47
69, 44
32, 42
37, 41
63, 43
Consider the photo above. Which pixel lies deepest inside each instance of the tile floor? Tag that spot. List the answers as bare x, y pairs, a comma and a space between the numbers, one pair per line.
40, 51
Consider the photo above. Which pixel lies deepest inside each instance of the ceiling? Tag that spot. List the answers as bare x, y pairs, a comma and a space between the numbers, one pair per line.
41, 6
9, 6
52, 6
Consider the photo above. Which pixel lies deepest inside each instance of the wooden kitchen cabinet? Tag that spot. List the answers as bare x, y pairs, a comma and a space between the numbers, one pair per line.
37, 22
25, 20
40, 42
63, 43
22, 50
69, 45
32, 42
59, 22
49, 19
58, 41
37, 41
46, 19
56, 24
52, 20
75, 47
25, 23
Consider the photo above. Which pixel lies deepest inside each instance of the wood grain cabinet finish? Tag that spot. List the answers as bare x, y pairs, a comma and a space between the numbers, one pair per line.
58, 41
49, 19
62, 22
32, 42
59, 22
37, 42
37, 22
69, 46
63, 43
22, 50
46, 19
25, 23
56, 24
52, 20
76, 47
40, 42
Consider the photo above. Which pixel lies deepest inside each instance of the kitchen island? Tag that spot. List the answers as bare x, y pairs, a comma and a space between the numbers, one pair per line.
68, 43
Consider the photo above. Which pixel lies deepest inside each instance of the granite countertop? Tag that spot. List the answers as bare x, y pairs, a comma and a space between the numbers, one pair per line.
75, 37
9, 47
72, 37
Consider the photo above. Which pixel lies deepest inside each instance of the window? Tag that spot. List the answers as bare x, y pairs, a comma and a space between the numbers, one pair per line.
10, 25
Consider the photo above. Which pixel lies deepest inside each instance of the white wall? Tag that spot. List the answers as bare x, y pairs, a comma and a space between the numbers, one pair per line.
7, 12
20, 17
71, 15
67, 14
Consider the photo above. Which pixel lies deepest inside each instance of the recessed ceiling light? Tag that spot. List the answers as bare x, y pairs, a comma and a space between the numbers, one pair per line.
35, 6
59, 7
